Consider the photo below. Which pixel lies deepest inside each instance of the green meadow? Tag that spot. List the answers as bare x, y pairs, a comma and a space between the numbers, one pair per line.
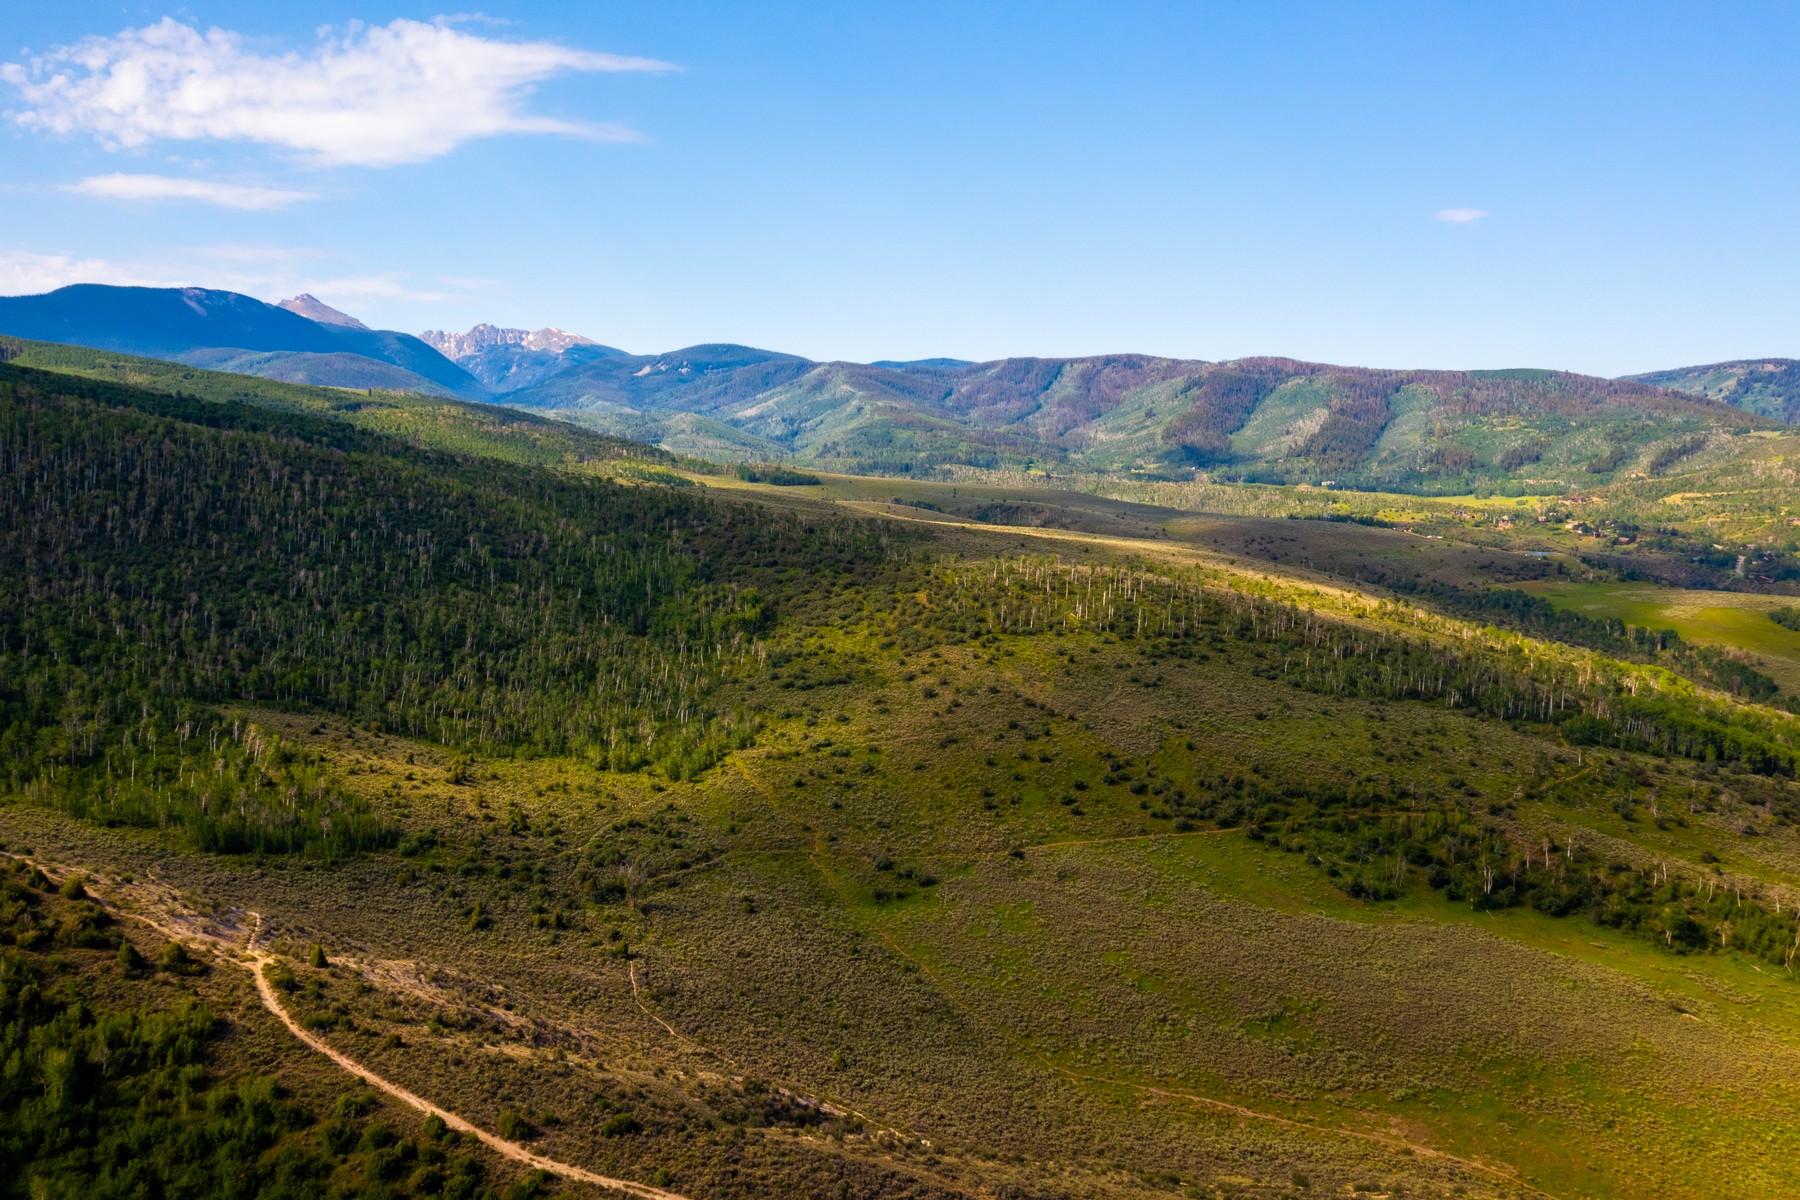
1739, 620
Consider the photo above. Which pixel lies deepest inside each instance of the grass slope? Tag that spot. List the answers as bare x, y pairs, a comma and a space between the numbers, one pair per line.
139, 1068
1066, 857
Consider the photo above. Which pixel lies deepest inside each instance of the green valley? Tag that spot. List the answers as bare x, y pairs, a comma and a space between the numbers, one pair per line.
983, 601
815, 834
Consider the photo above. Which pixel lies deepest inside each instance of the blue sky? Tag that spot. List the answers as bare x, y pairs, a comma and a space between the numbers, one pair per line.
978, 180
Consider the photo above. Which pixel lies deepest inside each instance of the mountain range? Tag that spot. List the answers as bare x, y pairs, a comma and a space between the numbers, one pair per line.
1268, 419
506, 360
226, 331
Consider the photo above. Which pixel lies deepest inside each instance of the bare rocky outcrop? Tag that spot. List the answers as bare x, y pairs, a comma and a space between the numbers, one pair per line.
458, 346
314, 309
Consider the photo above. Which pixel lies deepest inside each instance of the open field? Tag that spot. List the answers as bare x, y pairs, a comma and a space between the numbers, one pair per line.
1739, 620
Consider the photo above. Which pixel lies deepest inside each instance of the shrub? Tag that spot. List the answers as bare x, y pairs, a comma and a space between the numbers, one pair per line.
620, 1124
514, 1127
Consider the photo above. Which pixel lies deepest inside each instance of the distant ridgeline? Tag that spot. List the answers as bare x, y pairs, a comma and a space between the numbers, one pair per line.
1270, 420
167, 556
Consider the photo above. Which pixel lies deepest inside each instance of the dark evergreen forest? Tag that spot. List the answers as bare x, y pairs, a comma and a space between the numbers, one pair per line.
166, 556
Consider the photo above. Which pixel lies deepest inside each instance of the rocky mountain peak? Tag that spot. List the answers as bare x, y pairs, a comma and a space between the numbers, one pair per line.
458, 346
314, 309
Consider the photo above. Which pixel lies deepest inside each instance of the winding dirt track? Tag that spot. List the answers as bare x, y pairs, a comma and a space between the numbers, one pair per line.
651, 1013
258, 964
499, 1145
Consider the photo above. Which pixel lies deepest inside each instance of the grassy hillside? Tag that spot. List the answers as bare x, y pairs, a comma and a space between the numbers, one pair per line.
138, 1068
791, 840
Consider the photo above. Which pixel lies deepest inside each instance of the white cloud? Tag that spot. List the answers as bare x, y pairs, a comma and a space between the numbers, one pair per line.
268, 272
1461, 216
23, 273
374, 96
168, 187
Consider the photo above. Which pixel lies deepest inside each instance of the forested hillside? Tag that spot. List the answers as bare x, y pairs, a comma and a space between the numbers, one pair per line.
429, 422
1269, 420
170, 554
736, 843
1769, 386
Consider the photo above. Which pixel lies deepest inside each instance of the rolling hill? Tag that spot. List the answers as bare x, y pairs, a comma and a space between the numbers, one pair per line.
1269, 420
713, 844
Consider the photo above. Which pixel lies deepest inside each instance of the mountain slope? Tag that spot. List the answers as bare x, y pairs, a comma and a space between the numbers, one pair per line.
1275, 420
314, 309
509, 359
196, 324
427, 421
697, 379
339, 370
1768, 386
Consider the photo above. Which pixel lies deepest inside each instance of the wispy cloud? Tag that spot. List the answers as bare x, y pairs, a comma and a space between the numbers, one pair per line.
372, 96
1461, 216
379, 287
269, 272
168, 187
256, 253
23, 273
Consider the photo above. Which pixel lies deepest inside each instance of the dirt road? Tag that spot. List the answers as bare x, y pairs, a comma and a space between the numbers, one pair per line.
259, 964
173, 926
